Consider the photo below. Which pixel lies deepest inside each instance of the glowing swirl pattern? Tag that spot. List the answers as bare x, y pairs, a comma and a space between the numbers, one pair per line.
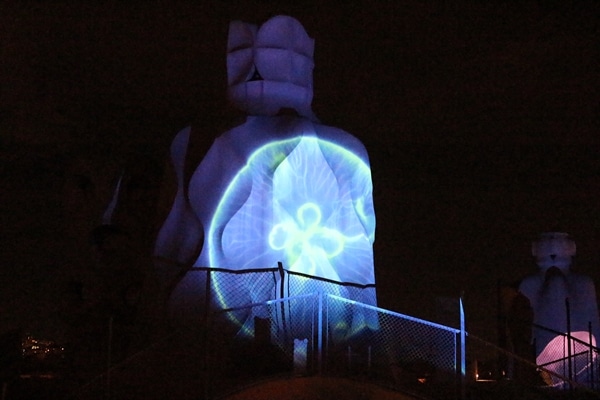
304, 201
306, 235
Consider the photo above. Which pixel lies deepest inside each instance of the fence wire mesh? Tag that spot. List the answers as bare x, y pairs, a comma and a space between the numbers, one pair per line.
252, 325
494, 369
397, 350
571, 355
259, 324
331, 335
272, 341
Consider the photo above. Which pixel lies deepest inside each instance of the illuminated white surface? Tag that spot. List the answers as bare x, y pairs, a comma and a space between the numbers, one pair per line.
280, 52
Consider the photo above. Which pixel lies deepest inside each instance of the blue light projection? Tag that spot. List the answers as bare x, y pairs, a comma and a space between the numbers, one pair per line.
304, 234
295, 212
297, 209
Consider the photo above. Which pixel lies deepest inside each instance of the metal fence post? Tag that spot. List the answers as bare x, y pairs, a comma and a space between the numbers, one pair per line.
463, 362
320, 334
282, 295
569, 341
109, 357
591, 373
207, 331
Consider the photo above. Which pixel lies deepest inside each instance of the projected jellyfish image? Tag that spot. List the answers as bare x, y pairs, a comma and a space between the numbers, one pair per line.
280, 188
295, 213
549, 291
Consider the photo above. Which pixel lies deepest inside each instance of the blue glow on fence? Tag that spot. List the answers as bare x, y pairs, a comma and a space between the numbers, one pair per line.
463, 341
395, 314
304, 201
300, 355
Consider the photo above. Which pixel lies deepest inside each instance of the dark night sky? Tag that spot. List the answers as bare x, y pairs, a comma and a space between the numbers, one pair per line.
481, 120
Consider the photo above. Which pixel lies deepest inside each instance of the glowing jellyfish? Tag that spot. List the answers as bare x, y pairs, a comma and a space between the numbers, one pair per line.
303, 201
298, 212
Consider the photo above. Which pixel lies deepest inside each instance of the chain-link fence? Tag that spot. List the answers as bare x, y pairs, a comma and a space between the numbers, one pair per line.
246, 326
229, 289
572, 355
331, 335
253, 325
559, 373
260, 324
273, 341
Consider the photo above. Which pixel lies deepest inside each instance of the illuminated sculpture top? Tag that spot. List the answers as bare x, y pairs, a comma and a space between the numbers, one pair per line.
270, 68
548, 292
279, 188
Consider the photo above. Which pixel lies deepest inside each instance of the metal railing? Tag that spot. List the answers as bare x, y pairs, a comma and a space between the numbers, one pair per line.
290, 324
330, 335
269, 322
